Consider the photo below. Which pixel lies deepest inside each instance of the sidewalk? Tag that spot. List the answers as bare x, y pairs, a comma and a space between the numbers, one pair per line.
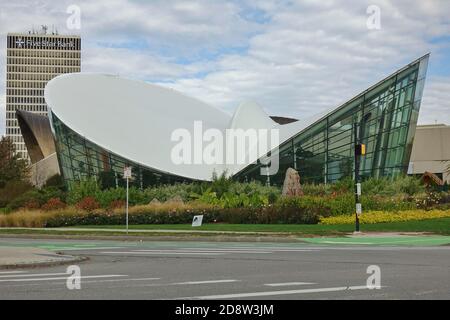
178, 231
17, 257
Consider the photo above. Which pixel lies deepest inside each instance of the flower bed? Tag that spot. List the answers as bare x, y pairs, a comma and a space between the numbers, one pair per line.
383, 216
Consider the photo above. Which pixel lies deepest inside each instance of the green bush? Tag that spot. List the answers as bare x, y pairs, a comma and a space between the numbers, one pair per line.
402, 185
12, 190
39, 196
55, 181
152, 215
81, 189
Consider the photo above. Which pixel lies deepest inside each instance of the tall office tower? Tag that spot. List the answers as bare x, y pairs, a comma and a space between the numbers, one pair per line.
33, 59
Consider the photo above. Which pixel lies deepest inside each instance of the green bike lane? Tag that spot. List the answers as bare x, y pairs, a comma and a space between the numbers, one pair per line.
358, 240
380, 240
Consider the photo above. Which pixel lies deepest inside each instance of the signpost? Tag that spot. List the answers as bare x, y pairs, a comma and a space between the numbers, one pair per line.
127, 176
197, 221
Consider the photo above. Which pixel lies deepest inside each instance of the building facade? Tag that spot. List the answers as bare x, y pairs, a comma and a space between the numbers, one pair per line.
431, 151
140, 136
385, 118
33, 59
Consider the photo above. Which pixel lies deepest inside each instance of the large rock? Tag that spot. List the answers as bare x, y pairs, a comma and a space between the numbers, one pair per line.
155, 202
176, 200
291, 185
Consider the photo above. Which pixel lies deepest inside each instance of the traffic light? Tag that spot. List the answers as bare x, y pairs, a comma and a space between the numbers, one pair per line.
360, 149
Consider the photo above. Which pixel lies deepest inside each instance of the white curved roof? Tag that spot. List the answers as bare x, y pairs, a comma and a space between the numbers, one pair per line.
135, 120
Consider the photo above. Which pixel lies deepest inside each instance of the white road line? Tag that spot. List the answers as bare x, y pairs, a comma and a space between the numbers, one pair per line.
153, 253
34, 275
204, 282
12, 272
202, 251
247, 249
276, 293
255, 248
82, 249
116, 280
62, 278
347, 242
288, 284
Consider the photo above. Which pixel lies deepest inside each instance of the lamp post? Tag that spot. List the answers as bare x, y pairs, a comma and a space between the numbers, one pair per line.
360, 150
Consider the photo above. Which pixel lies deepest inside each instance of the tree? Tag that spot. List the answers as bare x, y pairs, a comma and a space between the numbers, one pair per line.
12, 168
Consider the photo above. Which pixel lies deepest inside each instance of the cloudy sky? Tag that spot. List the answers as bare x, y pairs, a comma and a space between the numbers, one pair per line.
295, 58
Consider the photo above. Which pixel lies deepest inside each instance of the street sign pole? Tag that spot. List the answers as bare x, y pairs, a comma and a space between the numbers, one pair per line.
127, 176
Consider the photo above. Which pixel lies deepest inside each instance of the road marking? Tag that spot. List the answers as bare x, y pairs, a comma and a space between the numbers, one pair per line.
204, 282
34, 275
251, 250
203, 251
347, 242
162, 252
288, 284
116, 280
82, 249
12, 272
62, 278
276, 293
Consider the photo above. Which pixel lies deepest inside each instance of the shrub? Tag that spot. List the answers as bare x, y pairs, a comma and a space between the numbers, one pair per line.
55, 181
53, 204
88, 204
116, 204
12, 190
32, 205
36, 196
428, 200
383, 216
82, 189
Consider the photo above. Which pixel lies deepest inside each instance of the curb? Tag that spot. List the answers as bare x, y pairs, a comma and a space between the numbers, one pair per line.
193, 238
76, 259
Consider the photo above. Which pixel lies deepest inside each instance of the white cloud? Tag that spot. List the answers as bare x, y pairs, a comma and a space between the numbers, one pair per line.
295, 58
435, 107
315, 55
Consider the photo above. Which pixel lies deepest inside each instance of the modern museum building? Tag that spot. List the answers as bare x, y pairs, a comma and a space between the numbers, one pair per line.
102, 123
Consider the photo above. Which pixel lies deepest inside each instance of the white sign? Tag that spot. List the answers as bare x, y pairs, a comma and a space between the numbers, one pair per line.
358, 189
127, 173
197, 221
358, 209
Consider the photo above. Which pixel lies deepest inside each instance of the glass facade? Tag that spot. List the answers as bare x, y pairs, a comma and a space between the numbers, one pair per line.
80, 158
384, 117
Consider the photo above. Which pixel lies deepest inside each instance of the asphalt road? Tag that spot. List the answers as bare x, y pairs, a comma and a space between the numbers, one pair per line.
213, 270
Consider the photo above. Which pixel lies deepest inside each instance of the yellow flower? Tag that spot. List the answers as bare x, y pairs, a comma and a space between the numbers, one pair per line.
384, 216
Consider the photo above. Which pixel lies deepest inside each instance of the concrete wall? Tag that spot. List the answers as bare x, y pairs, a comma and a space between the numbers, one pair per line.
431, 150
44, 169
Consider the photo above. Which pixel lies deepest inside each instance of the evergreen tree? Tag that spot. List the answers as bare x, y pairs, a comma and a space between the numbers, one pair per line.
12, 168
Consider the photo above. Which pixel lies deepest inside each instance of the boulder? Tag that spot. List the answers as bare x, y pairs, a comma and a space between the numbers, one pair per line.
177, 199
291, 185
155, 202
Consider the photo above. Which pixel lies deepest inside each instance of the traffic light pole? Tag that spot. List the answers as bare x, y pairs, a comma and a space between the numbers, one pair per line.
360, 150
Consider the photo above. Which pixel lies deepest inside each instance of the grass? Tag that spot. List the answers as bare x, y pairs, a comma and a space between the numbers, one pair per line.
438, 226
